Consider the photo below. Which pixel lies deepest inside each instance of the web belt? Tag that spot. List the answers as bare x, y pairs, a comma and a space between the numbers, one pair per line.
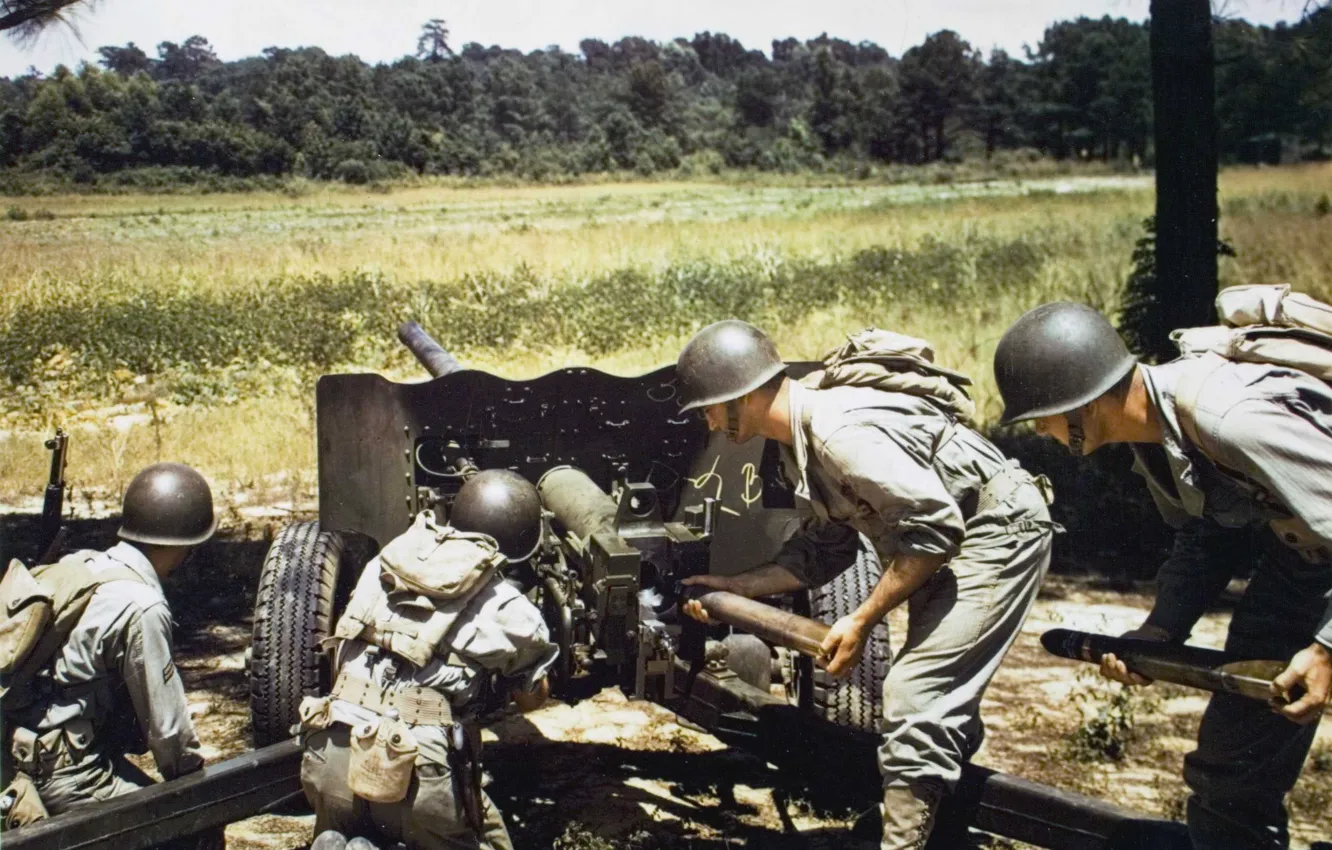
412, 704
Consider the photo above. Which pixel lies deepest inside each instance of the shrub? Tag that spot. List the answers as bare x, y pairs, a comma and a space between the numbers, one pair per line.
352, 171
1107, 730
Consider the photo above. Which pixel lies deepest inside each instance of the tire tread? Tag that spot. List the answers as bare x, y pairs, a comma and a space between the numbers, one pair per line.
293, 612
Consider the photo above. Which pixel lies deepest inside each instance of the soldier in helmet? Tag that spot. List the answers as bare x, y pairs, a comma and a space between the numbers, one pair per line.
1225, 448
62, 727
432, 639
964, 534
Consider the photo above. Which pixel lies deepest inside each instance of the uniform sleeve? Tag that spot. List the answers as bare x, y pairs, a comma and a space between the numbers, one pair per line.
818, 552
1285, 446
903, 489
515, 643
1201, 563
158, 696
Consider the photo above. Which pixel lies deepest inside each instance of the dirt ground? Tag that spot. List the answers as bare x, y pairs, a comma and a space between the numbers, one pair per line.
609, 772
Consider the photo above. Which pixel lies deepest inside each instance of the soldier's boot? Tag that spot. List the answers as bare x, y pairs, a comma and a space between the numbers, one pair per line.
329, 839
908, 816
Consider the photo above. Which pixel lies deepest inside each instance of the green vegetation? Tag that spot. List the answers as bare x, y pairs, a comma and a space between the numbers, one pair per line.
193, 328
209, 342
1107, 729
692, 107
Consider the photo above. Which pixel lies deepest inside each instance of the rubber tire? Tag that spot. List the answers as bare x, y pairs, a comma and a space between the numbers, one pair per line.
856, 701
293, 612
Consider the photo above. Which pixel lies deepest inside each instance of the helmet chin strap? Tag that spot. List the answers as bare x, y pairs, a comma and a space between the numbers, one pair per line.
1076, 435
733, 420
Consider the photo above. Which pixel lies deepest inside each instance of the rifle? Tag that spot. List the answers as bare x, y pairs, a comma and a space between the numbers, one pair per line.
53, 504
1208, 669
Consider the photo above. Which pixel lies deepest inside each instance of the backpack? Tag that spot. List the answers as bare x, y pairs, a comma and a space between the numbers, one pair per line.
39, 608
408, 599
1259, 324
896, 363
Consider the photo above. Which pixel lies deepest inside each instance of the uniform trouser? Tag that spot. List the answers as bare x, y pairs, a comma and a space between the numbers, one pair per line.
430, 817
94, 777
1249, 757
960, 625
101, 775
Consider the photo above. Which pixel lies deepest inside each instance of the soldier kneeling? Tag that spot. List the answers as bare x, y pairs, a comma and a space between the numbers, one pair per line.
102, 659
431, 634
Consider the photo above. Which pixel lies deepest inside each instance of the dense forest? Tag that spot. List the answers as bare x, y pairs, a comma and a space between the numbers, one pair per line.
700, 104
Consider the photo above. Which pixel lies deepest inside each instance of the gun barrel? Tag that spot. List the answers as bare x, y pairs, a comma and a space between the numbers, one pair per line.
764, 621
429, 353
576, 501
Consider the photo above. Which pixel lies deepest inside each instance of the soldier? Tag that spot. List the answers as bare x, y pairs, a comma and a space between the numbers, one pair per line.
964, 533
432, 639
63, 726
1224, 447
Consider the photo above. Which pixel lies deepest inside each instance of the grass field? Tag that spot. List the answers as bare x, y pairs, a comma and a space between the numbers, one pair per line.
192, 327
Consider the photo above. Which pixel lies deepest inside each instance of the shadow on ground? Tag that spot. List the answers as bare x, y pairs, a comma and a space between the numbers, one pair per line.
601, 796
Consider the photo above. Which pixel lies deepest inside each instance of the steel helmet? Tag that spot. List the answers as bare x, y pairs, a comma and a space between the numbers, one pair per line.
168, 504
503, 505
724, 361
1057, 358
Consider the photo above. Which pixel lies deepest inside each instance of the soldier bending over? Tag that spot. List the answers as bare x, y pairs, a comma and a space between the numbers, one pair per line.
877, 446
432, 638
1224, 447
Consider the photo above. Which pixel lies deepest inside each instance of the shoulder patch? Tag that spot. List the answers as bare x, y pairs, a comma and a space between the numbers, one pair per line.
169, 671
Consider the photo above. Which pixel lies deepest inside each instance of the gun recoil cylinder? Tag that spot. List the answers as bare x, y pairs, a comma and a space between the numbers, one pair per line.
577, 501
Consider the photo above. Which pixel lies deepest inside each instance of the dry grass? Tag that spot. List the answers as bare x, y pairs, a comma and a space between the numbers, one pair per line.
564, 232
98, 249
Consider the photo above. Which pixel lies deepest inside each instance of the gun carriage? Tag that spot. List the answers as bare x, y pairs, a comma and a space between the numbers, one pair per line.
636, 498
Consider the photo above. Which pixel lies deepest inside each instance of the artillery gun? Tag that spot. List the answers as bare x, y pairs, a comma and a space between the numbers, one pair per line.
637, 498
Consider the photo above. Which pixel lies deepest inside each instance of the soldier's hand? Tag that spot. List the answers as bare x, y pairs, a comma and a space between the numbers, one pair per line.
1311, 669
1117, 671
844, 646
693, 607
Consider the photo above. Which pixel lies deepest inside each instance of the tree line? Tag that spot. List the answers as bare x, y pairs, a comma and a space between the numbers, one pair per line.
703, 103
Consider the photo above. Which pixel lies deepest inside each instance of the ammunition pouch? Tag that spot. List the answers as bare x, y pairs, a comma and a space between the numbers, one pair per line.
314, 716
40, 755
20, 804
383, 760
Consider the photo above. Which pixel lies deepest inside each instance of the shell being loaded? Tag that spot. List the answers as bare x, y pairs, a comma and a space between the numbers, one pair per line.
764, 621
1193, 666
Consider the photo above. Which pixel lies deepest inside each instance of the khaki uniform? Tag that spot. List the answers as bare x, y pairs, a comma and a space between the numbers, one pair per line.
116, 661
897, 469
498, 644
1264, 470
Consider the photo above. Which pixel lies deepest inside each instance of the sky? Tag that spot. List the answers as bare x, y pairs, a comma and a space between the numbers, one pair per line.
383, 30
